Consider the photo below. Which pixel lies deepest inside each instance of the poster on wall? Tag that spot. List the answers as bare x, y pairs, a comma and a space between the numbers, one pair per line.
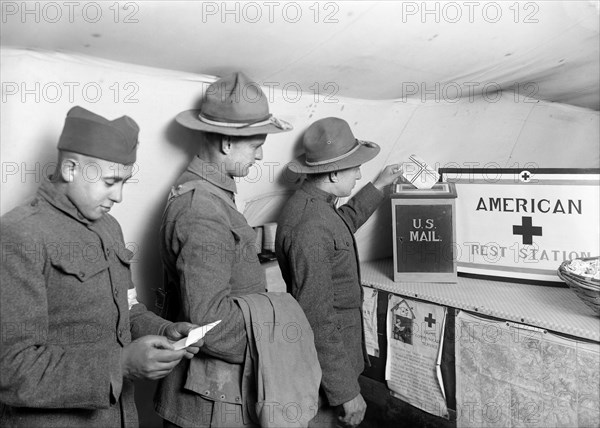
415, 332
513, 375
370, 320
523, 223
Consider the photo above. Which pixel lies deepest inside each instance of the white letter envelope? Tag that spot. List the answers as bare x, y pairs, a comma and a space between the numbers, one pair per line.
421, 175
194, 335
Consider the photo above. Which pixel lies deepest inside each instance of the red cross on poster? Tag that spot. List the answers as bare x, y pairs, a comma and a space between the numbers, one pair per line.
415, 336
523, 223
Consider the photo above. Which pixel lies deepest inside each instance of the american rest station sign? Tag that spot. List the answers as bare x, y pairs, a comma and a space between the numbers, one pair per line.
522, 224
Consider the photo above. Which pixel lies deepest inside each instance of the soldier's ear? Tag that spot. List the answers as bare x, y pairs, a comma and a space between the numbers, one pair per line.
67, 169
226, 144
333, 177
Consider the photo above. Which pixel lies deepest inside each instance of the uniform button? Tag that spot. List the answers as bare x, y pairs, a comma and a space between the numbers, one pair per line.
82, 274
237, 398
206, 392
121, 332
108, 252
34, 203
222, 397
347, 244
116, 292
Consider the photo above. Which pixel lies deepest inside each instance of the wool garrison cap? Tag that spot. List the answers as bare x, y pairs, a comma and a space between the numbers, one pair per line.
92, 135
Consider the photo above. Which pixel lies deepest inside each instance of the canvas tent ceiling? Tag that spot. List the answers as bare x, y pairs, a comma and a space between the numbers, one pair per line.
367, 50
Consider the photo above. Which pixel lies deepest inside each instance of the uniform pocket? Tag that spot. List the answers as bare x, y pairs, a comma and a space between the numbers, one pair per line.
342, 244
124, 255
215, 380
82, 270
122, 270
342, 258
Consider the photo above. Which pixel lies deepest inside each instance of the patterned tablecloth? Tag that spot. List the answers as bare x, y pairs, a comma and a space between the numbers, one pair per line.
548, 307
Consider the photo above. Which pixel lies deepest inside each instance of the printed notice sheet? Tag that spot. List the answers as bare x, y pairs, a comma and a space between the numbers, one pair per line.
370, 320
514, 375
415, 332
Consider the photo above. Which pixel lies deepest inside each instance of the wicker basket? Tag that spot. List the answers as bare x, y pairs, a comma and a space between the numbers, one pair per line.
587, 289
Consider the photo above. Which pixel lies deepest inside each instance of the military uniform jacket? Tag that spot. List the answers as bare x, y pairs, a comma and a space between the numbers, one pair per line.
209, 254
317, 254
65, 317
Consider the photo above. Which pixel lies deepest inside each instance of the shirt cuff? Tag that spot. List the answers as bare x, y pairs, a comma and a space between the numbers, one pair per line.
340, 397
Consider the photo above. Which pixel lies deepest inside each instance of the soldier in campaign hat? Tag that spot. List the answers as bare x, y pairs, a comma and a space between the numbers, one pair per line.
317, 254
208, 252
74, 335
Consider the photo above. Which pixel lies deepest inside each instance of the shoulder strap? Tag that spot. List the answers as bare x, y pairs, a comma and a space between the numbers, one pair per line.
193, 184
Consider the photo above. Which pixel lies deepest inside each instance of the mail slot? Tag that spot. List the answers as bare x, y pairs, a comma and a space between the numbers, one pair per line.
424, 230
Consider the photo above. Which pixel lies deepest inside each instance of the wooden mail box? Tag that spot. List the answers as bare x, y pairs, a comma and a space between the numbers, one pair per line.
424, 228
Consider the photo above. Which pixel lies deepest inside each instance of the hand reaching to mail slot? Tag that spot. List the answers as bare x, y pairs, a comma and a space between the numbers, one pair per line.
388, 175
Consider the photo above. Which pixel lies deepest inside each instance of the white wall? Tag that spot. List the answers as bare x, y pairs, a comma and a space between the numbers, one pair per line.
494, 131
38, 88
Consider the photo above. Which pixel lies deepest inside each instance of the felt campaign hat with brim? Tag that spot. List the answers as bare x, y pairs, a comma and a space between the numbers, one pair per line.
330, 146
233, 105
90, 134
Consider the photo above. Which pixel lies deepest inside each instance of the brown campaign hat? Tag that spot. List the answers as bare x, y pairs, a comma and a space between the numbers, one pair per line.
233, 105
92, 135
329, 146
